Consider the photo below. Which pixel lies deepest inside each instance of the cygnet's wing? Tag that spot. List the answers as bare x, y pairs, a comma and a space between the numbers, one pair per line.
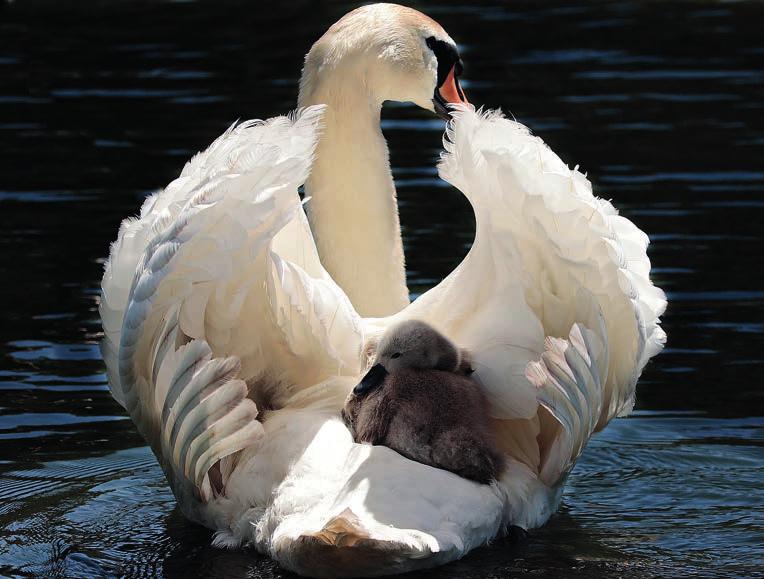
214, 301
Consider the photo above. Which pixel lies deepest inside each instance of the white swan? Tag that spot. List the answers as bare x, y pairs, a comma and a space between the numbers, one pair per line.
232, 346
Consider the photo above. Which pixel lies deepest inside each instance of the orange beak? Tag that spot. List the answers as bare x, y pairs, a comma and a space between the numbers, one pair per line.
450, 92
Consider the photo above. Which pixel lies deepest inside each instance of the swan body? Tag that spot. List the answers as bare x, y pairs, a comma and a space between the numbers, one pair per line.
232, 336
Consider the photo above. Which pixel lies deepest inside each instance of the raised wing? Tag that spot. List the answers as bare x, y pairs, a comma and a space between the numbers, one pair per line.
550, 260
215, 305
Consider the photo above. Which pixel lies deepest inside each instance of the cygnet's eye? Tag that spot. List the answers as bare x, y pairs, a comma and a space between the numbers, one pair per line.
396, 355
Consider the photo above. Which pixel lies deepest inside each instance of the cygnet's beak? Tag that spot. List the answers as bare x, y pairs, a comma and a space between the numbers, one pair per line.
373, 380
450, 92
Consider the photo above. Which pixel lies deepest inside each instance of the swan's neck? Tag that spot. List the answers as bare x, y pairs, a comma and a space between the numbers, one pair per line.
353, 209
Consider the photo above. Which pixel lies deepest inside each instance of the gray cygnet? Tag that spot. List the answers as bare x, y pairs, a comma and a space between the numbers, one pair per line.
417, 399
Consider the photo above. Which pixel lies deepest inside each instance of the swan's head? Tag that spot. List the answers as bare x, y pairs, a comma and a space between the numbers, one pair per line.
410, 345
384, 52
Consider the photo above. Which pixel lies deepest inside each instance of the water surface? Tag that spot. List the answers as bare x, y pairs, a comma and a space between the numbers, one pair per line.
660, 103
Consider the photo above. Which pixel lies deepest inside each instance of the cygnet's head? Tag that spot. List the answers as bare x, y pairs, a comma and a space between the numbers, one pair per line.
384, 52
415, 344
412, 344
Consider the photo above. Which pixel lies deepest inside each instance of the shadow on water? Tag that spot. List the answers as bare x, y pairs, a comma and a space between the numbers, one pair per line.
102, 102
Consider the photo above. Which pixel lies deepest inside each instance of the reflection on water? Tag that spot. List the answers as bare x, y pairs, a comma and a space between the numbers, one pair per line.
659, 102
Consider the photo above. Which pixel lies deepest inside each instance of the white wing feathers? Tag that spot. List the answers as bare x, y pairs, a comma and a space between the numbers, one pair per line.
569, 379
576, 252
205, 413
203, 318
547, 255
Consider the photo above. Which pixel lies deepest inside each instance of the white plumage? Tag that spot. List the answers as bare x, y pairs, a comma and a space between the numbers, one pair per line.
233, 349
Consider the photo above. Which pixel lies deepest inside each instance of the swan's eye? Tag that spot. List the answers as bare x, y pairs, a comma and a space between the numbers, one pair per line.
396, 355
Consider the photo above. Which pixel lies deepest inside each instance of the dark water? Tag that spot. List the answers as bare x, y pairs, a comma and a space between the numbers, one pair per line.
663, 105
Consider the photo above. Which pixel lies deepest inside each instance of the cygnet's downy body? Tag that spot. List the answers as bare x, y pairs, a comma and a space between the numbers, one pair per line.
417, 399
